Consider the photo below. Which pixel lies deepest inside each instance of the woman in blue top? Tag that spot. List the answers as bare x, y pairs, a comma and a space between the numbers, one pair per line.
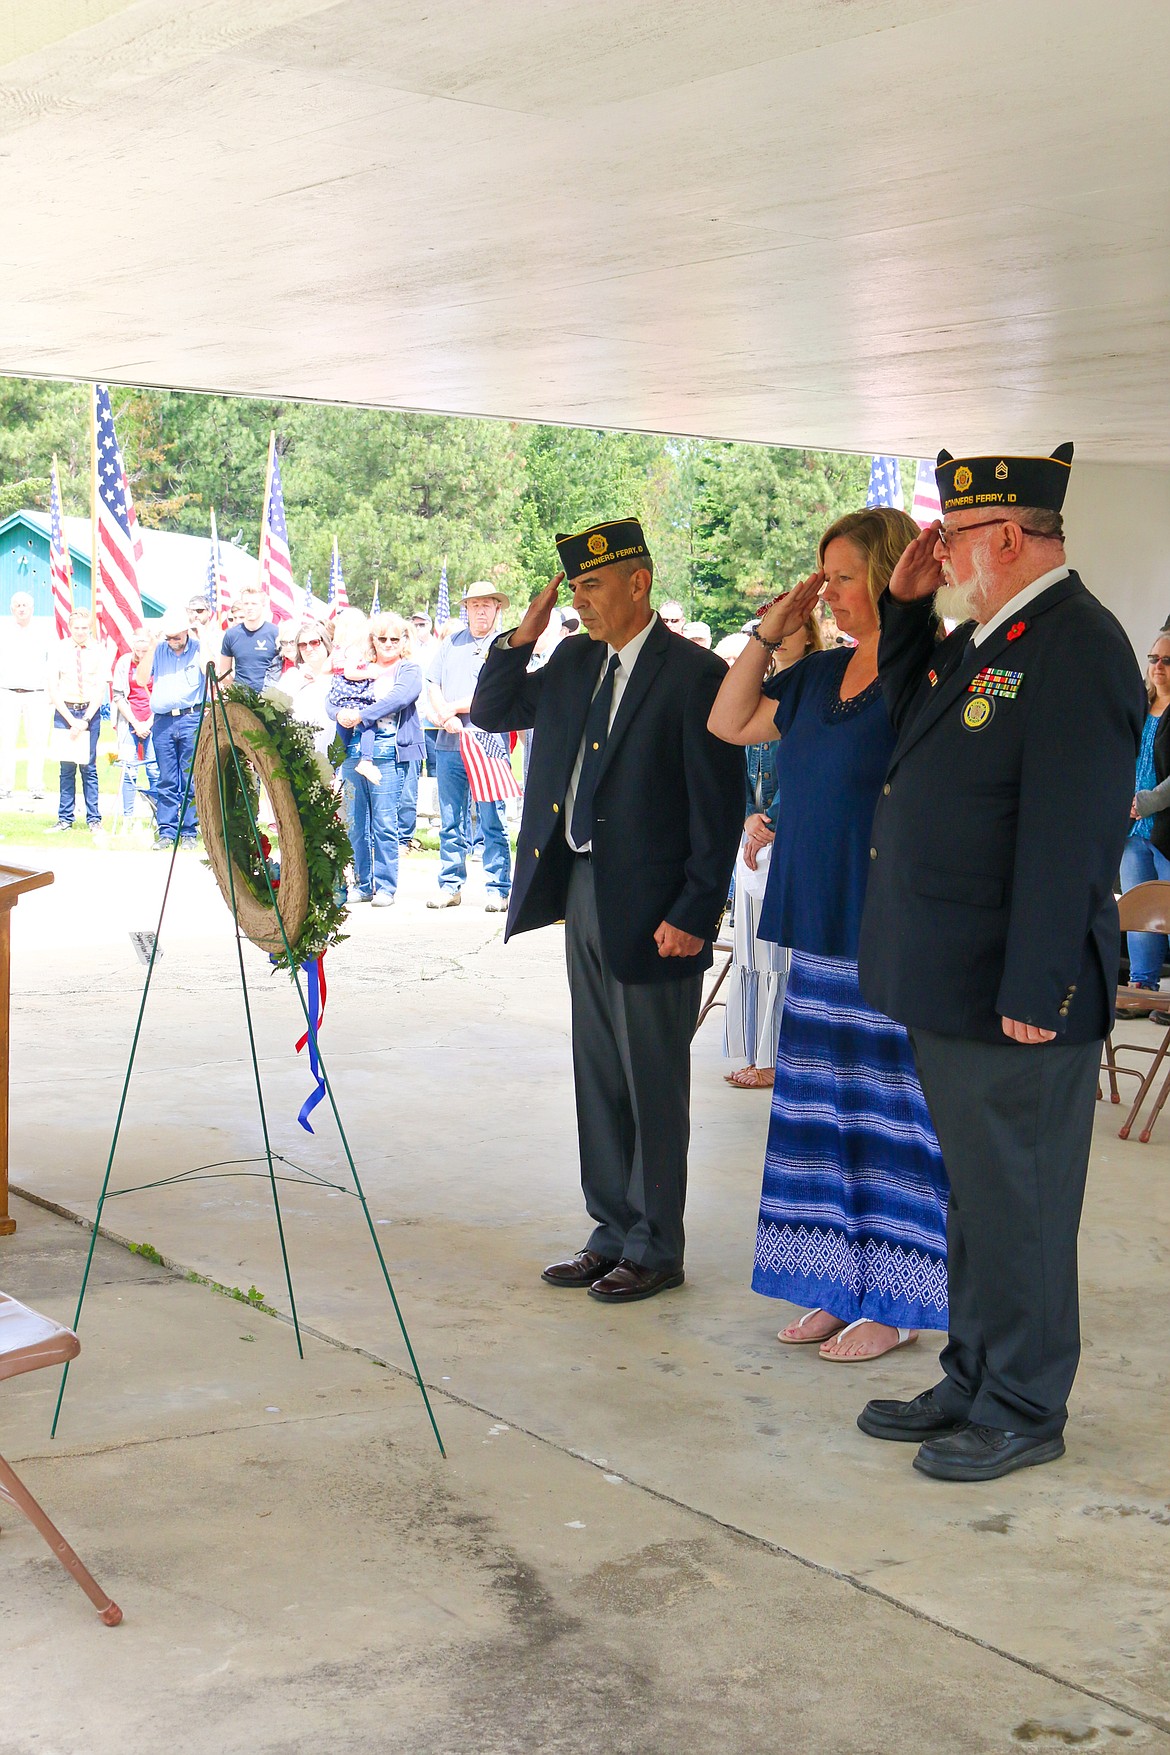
372, 806
1145, 856
853, 1211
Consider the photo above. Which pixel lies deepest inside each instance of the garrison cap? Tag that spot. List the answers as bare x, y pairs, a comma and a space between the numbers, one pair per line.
967, 482
600, 546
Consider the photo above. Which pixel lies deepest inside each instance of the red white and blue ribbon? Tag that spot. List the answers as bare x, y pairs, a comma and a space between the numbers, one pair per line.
314, 974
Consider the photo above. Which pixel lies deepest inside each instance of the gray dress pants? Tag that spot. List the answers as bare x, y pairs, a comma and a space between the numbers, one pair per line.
632, 1075
1015, 1124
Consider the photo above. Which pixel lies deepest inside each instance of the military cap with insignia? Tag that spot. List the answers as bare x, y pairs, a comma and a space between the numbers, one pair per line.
966, 482
600, 546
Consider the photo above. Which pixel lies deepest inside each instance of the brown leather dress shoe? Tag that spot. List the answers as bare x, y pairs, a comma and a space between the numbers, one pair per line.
627, 1282
584, 1268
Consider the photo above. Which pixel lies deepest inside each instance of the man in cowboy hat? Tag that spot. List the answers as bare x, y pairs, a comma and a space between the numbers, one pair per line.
632, 815
454, 674
990, 931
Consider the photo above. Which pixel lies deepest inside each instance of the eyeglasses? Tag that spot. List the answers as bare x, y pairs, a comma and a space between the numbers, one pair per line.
1153, 658
388, 639
947, 537
309, 645
675, 621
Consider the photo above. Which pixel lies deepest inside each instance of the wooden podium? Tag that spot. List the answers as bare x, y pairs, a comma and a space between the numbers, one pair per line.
14, 881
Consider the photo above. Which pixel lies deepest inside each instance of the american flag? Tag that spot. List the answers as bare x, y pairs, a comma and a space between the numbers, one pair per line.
376, 607
117, 546
338, 595
60, 564
885, 483
443, 606
926, 506
275, 561
489, 772
219, 592
310, 604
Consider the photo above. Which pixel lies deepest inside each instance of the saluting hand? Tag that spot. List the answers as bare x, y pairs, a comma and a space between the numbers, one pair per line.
787, 613
917, 573
537, 614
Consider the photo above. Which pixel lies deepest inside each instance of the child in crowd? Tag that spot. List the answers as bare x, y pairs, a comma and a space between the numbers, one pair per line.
353, 686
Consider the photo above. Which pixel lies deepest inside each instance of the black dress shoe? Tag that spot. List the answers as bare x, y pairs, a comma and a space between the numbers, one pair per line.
627, 1282
584, 1268
982, 1453
907, 1422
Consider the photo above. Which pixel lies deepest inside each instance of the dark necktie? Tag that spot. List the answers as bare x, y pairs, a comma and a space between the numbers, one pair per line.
596, 734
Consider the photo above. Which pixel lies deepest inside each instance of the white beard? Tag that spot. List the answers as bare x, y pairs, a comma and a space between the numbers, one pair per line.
962, 603
953, 603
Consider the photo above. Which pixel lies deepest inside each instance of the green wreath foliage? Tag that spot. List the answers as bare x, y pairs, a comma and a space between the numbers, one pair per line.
327, 846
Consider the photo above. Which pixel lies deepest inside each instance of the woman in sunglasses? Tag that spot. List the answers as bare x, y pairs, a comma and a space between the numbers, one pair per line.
372, 806
1146, 855
308, 685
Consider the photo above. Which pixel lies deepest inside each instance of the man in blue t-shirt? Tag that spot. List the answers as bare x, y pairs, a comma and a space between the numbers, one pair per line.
249, 648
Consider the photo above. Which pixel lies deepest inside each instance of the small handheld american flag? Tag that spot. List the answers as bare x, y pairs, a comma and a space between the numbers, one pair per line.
489, 772
275, 561
117, 546
60, 564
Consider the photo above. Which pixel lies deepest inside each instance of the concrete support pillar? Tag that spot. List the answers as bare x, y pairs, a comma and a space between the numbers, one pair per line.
1117, 521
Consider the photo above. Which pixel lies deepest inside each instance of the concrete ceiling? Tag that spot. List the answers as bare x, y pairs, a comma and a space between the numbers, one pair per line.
864, 224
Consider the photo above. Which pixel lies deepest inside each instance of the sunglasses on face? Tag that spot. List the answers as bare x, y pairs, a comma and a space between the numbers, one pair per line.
1153, 658
388, 639
308, 645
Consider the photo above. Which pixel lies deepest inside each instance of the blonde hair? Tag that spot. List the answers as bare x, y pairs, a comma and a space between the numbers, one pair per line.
882, 533
387, 622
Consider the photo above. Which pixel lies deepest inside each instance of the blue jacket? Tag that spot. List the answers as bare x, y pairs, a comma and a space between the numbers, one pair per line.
400, 703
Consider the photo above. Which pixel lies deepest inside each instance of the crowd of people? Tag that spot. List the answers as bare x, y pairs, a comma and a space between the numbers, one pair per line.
391, 694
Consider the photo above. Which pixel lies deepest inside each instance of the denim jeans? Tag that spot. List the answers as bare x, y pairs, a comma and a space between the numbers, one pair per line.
67, 794
1141, 863
133, 765
408, 801
174, 751
371, 814
455, 831
431, 739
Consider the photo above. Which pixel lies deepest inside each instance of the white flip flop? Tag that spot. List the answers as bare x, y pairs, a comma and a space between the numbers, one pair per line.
906, 1338
807, 1340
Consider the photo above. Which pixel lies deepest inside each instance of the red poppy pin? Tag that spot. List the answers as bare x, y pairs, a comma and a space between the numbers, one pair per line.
1016, 629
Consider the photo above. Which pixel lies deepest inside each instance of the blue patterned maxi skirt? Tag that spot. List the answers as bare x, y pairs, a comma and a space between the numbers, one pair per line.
853, 1212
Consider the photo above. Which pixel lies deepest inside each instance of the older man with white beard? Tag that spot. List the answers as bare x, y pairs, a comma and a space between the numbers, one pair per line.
990, 931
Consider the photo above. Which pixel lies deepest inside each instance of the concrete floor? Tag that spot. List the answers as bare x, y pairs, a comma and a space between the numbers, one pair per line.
656, 1529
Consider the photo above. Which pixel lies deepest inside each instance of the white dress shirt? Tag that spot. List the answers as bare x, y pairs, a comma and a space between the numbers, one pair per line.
627, 658
1014, 605
24, 657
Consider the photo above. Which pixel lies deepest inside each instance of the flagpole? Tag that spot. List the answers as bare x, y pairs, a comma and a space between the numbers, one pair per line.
67, 558
94, 568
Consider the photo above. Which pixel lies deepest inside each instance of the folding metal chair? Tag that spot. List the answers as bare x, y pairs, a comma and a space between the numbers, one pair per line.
724, 948
28, 1341
1145, 908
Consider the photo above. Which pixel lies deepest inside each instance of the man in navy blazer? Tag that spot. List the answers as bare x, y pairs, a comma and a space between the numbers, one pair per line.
632, 816
990, 931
